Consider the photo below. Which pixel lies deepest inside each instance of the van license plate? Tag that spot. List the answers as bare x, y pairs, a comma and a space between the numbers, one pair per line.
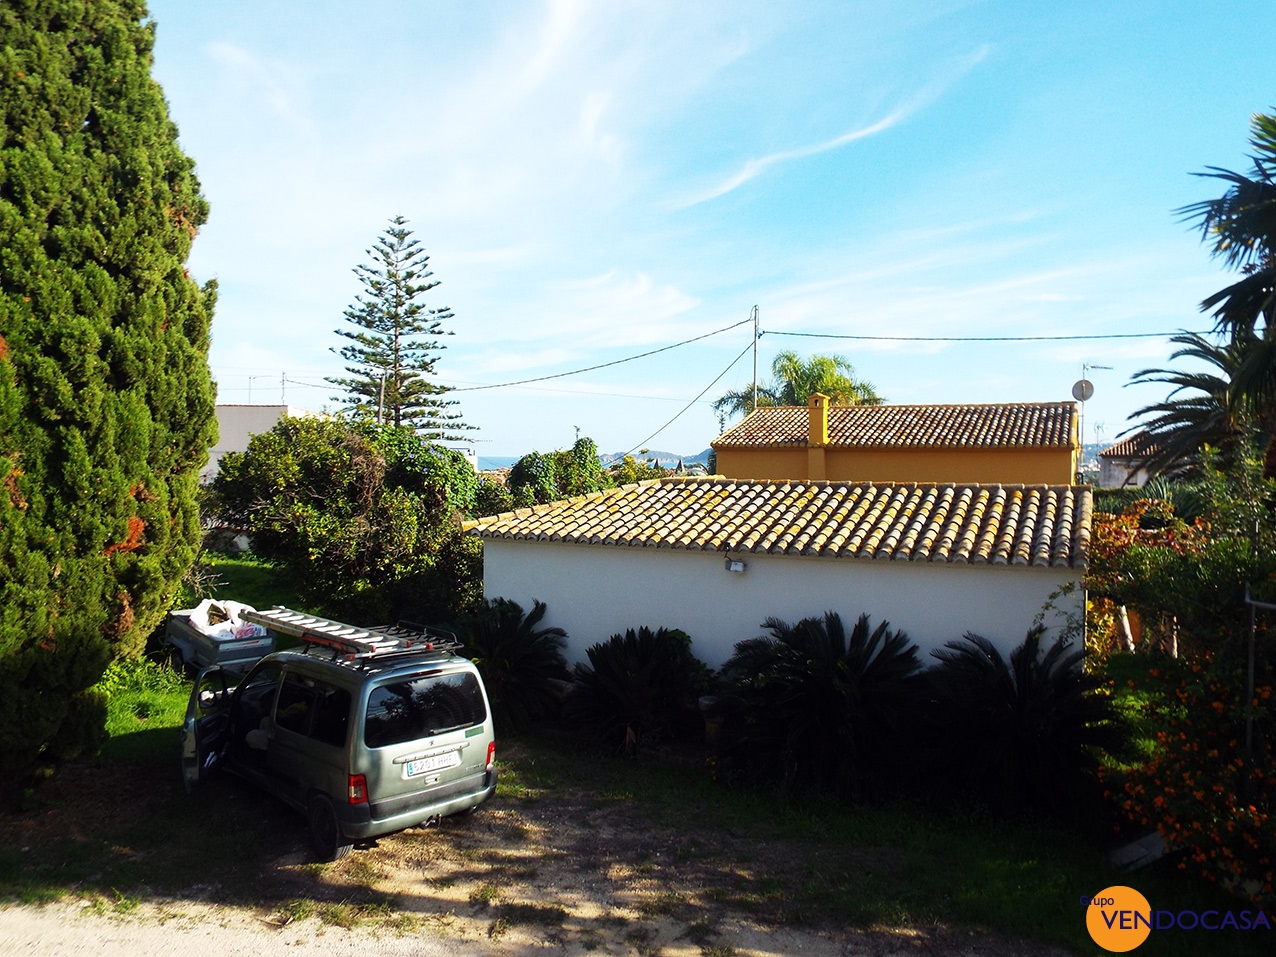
436, 763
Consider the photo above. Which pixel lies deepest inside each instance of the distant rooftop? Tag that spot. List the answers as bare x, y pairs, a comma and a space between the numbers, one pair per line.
1002, 425
1137, 446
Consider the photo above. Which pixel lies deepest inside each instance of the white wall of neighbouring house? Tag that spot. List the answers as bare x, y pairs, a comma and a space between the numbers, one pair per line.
1121, 473
236, 424
595, 591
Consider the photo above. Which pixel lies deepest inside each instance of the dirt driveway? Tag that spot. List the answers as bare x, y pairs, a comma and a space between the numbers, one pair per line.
569, 871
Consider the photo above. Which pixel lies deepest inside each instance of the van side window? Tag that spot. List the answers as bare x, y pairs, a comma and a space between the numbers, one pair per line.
314, 708
421, 707
332, 715
256, 694
295, 704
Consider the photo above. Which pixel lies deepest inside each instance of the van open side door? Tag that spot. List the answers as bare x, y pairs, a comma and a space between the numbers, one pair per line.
206, 730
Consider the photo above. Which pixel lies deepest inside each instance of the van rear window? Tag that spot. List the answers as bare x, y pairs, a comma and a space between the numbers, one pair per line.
422, 707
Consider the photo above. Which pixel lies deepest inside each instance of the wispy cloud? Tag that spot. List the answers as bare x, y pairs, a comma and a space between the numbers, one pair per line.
267, 80
920, 100
755, 167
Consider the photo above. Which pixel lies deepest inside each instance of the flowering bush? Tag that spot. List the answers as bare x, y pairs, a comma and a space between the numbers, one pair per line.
1197, 789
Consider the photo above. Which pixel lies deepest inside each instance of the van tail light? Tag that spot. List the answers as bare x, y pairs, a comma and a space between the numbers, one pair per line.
358, 791
491, 754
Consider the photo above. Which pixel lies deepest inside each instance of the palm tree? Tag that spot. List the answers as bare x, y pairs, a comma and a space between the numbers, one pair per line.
1241, 228
1241, 225
518, 660
1026, 732
796, 380
638, 688
811, 704
1223, 409
1199, 410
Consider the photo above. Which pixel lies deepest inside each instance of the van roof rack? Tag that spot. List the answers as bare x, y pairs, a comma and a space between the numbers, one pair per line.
350, 640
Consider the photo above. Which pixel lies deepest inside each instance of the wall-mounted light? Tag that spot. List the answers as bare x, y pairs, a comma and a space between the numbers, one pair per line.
735, 565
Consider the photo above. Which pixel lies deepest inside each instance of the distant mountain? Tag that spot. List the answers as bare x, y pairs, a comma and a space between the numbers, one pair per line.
663, 459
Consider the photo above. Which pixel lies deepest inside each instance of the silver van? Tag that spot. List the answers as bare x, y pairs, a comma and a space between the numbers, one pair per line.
364, 737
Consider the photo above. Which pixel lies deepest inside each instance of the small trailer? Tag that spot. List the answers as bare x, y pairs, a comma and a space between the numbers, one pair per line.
215, 633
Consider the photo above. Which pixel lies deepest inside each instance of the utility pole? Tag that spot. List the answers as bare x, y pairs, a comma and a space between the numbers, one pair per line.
756, 335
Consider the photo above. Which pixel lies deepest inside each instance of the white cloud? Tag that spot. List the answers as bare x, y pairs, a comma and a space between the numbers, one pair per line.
258, 79
921, 99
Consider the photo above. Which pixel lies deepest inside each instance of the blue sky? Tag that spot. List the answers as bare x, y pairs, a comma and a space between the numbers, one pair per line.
594, 180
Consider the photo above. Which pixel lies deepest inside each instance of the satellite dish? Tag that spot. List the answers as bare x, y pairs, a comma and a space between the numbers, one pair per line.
1082, 390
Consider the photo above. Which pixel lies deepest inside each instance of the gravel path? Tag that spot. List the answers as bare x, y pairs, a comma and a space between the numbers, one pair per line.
62, 930
181, 928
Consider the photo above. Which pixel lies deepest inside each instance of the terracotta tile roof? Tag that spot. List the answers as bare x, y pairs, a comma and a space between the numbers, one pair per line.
1137, 446
1006, 425
959, 524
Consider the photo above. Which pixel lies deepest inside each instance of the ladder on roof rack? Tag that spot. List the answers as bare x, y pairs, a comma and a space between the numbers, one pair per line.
350, 639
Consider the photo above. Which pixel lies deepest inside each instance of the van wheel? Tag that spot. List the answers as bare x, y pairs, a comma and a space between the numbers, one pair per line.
326, 840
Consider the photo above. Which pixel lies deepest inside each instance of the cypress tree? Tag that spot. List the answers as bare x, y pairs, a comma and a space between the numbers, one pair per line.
106, 403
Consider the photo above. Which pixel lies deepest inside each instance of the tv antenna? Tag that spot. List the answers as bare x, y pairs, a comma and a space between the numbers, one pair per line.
1083, 391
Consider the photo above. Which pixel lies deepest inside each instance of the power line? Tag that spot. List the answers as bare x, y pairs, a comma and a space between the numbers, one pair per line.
1118, 335
697, 398
604, 365
609, 395
771, 332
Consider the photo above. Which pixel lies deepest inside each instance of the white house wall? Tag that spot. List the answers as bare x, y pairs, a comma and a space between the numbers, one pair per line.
594, 591
237, 424
1121, 473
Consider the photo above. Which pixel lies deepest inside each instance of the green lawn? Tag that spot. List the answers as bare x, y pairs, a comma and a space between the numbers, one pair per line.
249, 580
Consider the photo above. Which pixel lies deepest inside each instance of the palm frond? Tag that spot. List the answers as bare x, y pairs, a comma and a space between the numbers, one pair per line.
814, 705
518, 661
1028, 731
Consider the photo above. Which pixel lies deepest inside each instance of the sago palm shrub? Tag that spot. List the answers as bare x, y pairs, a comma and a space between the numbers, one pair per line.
638, 688
810, 705
1028, 732
518, 660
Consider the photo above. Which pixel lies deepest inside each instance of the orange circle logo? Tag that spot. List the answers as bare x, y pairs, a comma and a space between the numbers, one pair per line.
1119, 918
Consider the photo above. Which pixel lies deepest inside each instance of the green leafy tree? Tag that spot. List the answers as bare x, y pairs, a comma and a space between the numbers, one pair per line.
106, 403
630, 470
1188, 581
492, 497
538, 477
796, 379
396, 340
1241, 227
365, 519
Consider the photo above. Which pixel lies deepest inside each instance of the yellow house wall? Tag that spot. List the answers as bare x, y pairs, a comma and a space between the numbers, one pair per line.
763, 463
990, 466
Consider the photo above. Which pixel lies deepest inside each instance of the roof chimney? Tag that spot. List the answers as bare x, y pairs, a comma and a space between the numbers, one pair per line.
817, 429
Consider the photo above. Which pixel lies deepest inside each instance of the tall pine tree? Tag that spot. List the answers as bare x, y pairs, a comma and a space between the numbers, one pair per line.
106, 403
395, 342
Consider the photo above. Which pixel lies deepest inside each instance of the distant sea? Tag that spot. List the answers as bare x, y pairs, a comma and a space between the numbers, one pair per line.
487, 463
